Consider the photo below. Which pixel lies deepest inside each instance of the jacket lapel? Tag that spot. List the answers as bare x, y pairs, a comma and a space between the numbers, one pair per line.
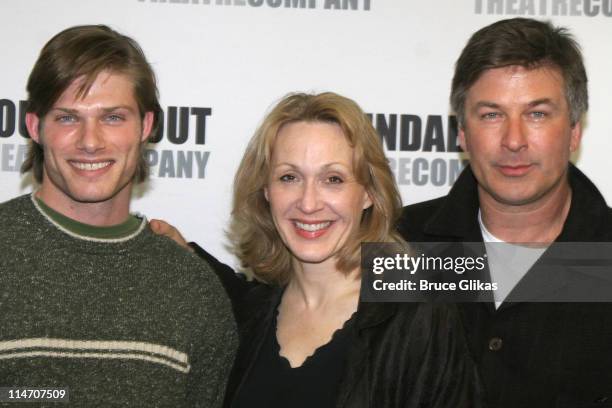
355, 382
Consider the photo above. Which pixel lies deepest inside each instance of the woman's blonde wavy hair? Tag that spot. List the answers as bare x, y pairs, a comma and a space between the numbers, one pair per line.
253, 235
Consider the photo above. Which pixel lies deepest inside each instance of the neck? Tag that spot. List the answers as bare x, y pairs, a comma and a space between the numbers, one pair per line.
316, 286
538, 222
101, 214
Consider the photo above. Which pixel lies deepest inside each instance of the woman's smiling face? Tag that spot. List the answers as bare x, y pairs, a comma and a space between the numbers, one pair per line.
315, 200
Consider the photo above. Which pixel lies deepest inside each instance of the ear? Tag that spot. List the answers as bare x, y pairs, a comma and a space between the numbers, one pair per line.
32, 123
147, 126
461, 137
367, 200
576, 136
266, 193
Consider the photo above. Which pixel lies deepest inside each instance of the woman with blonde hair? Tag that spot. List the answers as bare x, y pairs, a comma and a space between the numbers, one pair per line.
314, 184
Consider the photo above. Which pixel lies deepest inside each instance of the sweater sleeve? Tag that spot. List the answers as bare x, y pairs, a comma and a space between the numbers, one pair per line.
211, 368
213, 355
235, 284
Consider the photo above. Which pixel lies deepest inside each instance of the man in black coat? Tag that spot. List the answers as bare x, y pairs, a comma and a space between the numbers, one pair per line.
520, 92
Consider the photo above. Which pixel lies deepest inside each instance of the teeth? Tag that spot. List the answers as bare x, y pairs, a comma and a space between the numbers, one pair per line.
312, 227
90, 166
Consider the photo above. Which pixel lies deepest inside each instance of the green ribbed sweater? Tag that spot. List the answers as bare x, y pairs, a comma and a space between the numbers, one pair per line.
133, 322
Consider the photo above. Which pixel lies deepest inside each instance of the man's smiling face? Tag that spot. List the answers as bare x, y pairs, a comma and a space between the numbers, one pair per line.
91, 142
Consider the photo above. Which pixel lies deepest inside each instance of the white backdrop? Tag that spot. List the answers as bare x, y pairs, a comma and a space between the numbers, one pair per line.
237, 57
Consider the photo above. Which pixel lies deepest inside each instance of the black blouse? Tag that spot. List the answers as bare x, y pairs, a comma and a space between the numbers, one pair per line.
272, 383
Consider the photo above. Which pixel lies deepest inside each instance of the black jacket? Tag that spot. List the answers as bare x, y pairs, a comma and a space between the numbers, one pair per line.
400, 355
530, 354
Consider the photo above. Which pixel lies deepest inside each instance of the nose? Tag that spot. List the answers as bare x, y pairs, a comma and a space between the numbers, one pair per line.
310, 199
90, 138
515, 135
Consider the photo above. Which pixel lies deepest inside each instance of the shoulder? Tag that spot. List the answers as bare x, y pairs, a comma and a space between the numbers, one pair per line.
607, 222
424, 208
19, 221
161, 246
234, 283
590, 217
15, 205
414, 217
249, 298
180, 269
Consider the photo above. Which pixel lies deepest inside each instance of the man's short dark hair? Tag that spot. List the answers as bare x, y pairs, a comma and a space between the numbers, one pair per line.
524, 42
84, 52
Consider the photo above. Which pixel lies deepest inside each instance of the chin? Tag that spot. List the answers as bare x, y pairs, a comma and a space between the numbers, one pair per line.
91, 196
92, 193
311, 258
516, 199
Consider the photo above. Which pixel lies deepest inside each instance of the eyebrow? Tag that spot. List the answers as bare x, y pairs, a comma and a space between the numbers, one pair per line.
295, 167
485, 104
105, 110
114, 108
66, 110
542, 101
493, 105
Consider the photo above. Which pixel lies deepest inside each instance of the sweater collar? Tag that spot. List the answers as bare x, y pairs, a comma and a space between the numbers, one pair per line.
109, 234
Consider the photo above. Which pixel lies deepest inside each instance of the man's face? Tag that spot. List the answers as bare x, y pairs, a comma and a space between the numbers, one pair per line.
91, 143
518, 133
